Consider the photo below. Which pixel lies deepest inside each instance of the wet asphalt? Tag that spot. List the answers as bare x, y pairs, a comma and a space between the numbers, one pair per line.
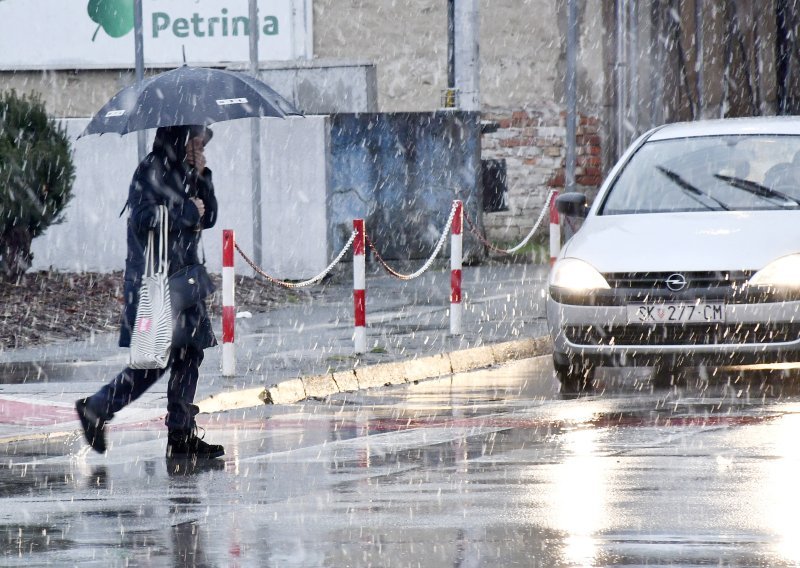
490, 468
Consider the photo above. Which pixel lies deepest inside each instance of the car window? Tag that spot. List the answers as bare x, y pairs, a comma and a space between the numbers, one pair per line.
712, 173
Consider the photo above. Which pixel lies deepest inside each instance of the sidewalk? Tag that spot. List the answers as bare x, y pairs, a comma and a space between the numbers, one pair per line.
306, 349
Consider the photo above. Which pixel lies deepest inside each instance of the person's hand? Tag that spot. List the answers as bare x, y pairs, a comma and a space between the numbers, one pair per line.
201, 207
195, 154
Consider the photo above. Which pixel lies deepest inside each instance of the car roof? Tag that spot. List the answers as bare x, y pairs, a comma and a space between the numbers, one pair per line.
780, 125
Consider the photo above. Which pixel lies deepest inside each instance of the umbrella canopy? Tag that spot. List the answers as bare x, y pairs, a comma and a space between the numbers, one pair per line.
188, 95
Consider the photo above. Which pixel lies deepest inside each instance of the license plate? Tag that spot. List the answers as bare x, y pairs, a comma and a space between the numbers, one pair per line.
677, 312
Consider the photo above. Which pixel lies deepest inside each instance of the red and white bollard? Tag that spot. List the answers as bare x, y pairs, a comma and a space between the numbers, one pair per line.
555, 230
456, 253
228, 306
359, 288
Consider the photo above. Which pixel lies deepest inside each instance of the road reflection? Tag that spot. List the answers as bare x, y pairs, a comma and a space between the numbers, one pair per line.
485, 469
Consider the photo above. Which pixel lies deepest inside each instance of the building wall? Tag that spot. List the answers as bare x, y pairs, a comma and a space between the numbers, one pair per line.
294, 179
522, 65
533, 146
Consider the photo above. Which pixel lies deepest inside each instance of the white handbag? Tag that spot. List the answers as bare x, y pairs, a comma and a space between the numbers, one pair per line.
151, 338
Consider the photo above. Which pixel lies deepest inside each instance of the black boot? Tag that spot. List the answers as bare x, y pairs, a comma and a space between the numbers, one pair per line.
182, 444
93, 426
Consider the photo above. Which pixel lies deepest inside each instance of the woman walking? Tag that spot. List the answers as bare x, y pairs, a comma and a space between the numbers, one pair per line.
175, 175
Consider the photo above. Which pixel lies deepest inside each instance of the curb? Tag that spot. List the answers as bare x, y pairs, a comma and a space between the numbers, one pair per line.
379, 375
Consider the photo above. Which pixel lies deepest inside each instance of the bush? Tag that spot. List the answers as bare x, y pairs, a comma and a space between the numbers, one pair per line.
36, 176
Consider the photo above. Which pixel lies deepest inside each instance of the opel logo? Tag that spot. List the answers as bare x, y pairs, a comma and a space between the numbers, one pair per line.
676, 282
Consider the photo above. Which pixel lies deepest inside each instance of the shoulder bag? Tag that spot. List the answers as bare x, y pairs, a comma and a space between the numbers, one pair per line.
151, 338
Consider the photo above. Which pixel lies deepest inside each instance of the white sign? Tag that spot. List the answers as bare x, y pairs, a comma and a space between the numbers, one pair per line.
90, 34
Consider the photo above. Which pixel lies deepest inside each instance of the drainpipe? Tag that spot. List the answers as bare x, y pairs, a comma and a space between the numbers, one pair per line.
450, 93
620, 69
571, 94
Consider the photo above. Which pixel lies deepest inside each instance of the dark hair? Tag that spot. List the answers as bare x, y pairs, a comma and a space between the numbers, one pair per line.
170, 142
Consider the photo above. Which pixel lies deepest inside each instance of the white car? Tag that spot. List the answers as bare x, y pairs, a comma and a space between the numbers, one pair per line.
689, 255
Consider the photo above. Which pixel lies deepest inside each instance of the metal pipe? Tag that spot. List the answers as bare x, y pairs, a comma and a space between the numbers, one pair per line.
656, 64
571, 92
255, 143
138, 40
620, 70
451, 44
633, 67
698, 45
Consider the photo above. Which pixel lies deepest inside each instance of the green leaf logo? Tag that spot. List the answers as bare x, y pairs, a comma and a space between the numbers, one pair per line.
114, 16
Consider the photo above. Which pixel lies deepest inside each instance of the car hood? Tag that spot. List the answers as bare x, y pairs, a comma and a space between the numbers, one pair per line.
661, 242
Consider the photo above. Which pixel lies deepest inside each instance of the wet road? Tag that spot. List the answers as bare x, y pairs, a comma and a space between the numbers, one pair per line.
491, 468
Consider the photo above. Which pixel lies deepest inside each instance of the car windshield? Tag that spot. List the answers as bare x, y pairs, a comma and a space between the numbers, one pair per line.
712, 173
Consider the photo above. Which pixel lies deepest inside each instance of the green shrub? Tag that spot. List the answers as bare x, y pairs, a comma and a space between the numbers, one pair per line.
36, 176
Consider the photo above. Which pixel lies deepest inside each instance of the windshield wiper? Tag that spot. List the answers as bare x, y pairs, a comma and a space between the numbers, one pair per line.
755, 188
691, 190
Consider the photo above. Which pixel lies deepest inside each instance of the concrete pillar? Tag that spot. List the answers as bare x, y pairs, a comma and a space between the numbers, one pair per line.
467, 40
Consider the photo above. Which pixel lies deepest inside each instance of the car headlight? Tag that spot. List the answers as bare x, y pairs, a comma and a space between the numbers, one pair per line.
781, 273
577, 275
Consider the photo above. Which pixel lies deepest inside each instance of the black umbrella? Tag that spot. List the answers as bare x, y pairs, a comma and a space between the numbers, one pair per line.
188, 95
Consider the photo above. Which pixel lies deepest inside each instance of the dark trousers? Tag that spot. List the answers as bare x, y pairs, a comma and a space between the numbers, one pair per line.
130, 384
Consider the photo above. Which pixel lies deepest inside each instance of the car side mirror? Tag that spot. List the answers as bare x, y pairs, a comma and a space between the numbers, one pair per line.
572, 204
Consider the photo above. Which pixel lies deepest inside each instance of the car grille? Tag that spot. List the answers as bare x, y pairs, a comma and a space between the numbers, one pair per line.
729, 287
689, 334
721, 281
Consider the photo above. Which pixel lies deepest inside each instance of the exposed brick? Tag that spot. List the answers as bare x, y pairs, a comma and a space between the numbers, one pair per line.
583, 160
558, 180
590, 181
520, 118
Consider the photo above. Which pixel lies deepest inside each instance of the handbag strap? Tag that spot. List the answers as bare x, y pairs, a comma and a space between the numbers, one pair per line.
162, 219
163, 261
149, 255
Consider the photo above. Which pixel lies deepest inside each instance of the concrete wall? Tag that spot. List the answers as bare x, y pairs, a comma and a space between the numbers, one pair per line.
325, 87
400, 172
522, 66
522, 61
521, 50
315, 87
295, 208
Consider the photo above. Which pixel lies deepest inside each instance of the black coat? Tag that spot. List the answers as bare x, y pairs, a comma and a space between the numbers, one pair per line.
164, 179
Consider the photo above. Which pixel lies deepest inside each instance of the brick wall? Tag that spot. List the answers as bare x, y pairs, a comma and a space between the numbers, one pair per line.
533, 143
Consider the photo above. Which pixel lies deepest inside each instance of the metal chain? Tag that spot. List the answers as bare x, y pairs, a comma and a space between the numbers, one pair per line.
512, 250
430, 260
304, 283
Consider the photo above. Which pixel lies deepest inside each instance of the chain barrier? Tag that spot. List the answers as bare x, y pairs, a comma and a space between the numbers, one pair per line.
430, 260
304, 283
524, 242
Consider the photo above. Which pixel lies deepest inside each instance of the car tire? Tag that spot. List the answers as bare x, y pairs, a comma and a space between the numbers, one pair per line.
574, 376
